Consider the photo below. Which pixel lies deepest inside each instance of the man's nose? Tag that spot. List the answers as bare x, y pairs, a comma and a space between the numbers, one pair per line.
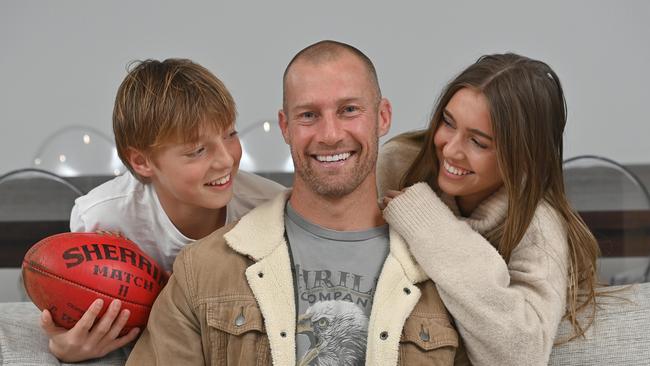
330, 130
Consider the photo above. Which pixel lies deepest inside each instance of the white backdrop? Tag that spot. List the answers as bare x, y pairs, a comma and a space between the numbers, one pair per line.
61, 61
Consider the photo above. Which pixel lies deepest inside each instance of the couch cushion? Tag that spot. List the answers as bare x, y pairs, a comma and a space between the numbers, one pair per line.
22, 342
620, 334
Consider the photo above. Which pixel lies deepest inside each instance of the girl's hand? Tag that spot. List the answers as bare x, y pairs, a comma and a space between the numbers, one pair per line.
87, 340
390, 194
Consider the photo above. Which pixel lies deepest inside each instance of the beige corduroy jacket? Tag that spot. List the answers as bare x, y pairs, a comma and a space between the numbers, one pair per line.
231, 301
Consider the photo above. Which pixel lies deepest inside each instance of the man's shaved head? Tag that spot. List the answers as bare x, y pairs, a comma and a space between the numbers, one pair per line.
328, 51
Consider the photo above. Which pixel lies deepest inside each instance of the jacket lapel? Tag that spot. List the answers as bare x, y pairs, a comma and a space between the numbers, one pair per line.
395, 297
260, 236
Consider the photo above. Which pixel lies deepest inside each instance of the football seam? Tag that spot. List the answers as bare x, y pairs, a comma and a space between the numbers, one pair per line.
39, 269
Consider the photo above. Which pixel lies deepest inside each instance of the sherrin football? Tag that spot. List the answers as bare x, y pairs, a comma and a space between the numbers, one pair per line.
66, 272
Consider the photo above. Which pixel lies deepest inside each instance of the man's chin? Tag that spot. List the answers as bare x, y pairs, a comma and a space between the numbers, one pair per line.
333, 188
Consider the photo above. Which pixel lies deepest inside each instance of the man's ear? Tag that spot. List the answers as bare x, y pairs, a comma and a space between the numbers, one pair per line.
140, 162
384, 116
284, 125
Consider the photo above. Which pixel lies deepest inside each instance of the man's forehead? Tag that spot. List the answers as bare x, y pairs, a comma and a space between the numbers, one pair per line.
335, 81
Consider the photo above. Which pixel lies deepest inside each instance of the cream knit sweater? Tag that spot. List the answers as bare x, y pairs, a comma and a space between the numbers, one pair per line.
507, 314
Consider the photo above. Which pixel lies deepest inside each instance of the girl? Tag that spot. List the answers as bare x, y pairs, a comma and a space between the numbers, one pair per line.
483, 209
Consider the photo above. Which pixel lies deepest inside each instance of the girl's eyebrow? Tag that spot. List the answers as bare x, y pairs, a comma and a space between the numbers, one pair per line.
446, 113
480, 133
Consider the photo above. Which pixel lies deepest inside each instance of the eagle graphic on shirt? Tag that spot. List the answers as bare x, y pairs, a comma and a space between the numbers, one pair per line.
337, 332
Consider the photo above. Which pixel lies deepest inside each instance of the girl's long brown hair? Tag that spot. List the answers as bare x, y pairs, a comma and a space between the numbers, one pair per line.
528, 114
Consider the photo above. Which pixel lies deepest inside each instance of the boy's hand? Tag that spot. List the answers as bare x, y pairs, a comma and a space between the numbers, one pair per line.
85, 341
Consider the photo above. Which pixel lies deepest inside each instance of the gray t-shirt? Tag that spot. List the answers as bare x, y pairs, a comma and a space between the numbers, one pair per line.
336, 273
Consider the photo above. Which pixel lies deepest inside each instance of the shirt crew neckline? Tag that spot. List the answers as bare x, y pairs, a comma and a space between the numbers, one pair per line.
342, 236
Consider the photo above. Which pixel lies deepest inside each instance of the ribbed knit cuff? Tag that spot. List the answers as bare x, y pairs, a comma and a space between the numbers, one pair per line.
417, 210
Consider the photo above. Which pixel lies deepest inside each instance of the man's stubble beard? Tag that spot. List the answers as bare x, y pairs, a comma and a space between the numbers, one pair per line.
321, 185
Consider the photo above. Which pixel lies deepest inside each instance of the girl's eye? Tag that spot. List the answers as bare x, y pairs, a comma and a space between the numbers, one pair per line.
232, 133
478, 143
446, 122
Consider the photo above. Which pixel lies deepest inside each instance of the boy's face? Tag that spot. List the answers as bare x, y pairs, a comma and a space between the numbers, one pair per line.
197, 175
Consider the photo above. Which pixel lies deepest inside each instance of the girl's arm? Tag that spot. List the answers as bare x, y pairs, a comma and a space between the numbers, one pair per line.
507, 314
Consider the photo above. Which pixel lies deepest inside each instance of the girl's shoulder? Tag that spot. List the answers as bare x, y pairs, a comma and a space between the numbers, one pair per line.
546, 234
395, 157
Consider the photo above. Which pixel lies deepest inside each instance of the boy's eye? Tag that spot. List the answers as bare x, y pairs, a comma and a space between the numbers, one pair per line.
196, 152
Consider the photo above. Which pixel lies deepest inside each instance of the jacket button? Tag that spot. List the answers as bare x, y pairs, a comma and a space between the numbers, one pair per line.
424, 334
283, 334
407, 290
240, 319
383, 335
260, 274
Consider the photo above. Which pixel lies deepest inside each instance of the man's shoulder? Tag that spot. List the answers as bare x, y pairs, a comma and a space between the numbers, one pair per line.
250, 191
212, 268
212, 252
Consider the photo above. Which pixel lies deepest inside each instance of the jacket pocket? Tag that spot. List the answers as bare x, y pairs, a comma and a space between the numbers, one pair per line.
427, 341
236, 334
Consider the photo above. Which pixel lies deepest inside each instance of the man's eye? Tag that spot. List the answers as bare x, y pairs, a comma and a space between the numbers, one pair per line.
307, 117
350, 109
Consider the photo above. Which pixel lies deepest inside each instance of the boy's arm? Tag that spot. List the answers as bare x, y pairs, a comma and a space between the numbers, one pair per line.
77, 224
173, 333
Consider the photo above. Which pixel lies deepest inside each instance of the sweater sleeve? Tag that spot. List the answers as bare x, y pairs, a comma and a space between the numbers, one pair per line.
507, 314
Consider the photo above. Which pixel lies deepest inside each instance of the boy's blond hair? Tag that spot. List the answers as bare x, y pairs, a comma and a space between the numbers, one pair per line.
168, 102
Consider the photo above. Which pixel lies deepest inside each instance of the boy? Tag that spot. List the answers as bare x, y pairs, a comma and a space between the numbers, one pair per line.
174, 129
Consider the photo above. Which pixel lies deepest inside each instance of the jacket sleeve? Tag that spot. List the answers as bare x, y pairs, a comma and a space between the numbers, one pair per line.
173, 332
507, 314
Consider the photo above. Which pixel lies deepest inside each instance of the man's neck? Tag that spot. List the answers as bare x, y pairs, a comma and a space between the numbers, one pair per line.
352, 212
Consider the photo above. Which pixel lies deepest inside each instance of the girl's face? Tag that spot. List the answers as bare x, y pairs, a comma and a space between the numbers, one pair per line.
466, 151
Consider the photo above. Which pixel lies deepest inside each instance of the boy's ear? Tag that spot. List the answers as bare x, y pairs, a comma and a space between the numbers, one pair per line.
140, 162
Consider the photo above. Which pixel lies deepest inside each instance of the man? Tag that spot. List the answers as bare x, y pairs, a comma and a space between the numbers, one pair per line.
313, 277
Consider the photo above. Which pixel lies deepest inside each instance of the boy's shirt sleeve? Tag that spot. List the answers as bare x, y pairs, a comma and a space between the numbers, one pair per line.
77, 223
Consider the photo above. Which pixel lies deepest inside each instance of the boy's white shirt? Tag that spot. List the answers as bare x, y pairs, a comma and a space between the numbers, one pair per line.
132, 208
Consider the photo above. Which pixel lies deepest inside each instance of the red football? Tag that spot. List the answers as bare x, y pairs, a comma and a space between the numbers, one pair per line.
65, 273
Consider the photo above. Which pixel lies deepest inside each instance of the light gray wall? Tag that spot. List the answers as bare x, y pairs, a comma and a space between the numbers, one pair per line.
61, 61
